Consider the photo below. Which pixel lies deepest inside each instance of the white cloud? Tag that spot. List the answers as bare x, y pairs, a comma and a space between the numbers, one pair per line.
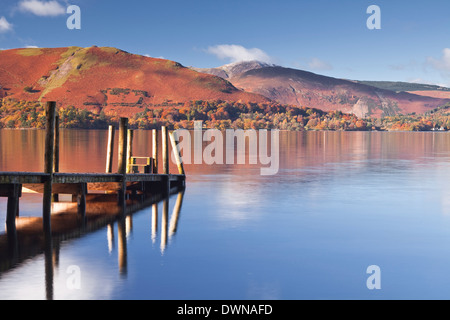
42, 8
236, 53
317, 64
31, 47
5, 25
149, 56
442, 64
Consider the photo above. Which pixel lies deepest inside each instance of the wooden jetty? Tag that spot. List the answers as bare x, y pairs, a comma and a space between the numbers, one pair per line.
83, 187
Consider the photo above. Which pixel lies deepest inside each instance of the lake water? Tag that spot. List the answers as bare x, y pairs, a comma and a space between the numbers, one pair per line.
340, 202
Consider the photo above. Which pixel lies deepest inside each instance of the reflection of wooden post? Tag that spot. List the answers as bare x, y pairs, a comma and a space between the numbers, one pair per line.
122, 246
50, 111
110, 149
176, 152
155, 150
128, 225
49, 273
129, 149
154, 221
165, 215
56, 153
110, 236
176, 214
165, 150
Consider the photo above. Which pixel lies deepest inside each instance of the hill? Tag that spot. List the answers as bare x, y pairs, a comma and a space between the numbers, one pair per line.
399, 86
107, 79
231, 70
302, 88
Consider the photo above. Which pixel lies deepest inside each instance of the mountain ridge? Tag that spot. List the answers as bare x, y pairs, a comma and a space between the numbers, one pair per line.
304, 88
107, 79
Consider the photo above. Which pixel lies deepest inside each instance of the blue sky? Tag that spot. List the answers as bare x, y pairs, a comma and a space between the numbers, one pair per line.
324, 36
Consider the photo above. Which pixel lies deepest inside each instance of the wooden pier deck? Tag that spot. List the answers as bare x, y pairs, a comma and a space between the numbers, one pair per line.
119, 186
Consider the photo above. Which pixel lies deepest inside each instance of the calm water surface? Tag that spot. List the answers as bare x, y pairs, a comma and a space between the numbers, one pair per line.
341, 201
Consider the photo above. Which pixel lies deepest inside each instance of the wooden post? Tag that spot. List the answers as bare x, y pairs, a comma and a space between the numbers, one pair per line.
12, 210
50, 111
81, 200
110, 149
123, 128
149, 167
155, 150
165, 150
176, 152
56, 153
129, 149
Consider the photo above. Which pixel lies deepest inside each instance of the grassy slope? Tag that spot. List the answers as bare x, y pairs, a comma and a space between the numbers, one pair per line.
86, 77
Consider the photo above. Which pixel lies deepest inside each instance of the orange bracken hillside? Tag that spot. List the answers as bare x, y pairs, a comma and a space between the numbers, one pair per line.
108, 79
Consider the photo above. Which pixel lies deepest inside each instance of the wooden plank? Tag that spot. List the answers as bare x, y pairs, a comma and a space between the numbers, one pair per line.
86, 177
104, 186
57, 188
22, 177
144, 177
29, 179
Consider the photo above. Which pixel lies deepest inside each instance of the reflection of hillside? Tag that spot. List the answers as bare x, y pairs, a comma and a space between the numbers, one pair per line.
301, 150
21, 150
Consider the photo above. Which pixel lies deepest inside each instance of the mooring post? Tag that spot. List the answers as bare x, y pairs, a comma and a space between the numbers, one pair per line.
50, 111
165, 150
123, 129
56, 153
110, 149
155, 150
129, 149
176, 152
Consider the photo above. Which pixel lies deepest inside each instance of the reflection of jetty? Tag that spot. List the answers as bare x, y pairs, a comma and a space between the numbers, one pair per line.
30, 241
97, 199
